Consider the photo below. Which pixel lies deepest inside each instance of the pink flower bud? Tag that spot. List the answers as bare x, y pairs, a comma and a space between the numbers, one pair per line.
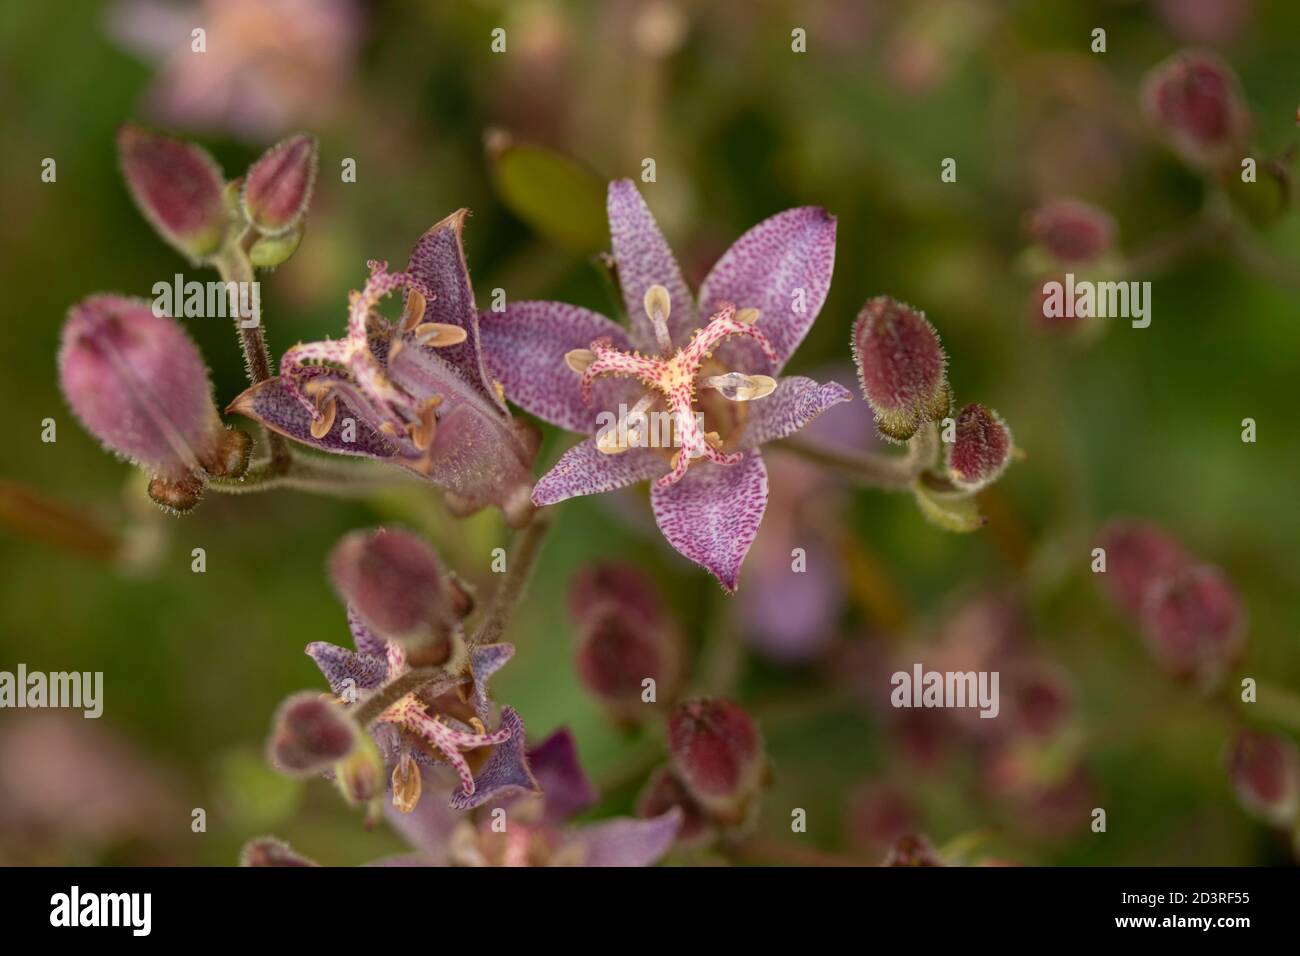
981, 448
901, 367
178, 187
394, 580
1194, 98
277, 189
1265, 772
1074, 232
1138, 553
623, 585
618, 653
661, 793
718, 754
137, 383
1194, 623
310, 734
268, 851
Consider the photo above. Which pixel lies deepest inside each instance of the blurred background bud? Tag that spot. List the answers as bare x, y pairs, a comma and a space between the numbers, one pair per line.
981, 448
1265, 773
912, 850
394, 580
310, 734
1137, 554
1194, 623
878, 815
278, 187
178, 187
1074, 232
1194, 99
268, 851
718, 755
901, 367
663, 791
137, 383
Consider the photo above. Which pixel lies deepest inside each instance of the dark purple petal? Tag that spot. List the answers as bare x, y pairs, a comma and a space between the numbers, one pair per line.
644, 259
484, 661
585, 470
340, 665
713, 513
438, 261
625, 841
794, 404
270, 404
565, 785
525, 347
506, 772
779, 266
365, 640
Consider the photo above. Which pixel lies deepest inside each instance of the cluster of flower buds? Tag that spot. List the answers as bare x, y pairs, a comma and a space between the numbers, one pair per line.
630, 655
136, 382
903, 371
1195, 101
1189, 612
716, 771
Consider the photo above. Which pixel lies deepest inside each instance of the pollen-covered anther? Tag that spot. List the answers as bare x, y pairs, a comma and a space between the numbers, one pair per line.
406, 784
426, 429
747, 316
439, 335
738, 387
415, 306
658, 306
579, 359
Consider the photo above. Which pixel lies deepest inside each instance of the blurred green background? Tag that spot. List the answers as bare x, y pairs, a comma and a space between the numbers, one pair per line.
1136, 422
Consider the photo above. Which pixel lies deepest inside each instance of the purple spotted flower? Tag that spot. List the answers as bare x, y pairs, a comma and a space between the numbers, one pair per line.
412, 392
687, 393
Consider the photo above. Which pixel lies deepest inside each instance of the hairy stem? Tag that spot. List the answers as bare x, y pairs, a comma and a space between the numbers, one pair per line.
233, 266
317, 476
886, 472
386, 696
519, 568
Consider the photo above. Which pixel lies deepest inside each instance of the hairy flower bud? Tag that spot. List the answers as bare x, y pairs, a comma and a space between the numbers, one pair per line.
360, 775
395, 582
178, 187
980, 449
717, 753
137, 383
278, 187
1194, 98
901, 367
1073, 232
1194, 623
1265, 772
661, 793
310, 734
1138, 553
268, 851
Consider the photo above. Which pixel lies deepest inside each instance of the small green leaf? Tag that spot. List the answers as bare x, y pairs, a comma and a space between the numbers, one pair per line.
556, 196
271, 251
950, 511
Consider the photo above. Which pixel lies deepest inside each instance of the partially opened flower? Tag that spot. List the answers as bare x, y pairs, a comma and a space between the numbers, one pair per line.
412, 392
687, 393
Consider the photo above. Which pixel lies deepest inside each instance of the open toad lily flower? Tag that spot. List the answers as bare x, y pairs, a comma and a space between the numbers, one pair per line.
442, 724
685, 395
412, 392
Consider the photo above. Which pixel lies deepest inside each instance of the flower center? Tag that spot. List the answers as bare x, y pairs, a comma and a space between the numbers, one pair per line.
674, 379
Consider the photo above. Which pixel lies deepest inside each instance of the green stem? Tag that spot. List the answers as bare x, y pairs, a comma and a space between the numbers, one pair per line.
312, 475
519, 568
1278, 705
886, 472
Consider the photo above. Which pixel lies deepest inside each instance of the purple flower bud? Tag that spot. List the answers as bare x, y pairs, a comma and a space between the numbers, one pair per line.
310, 734
1194, 98
981, 448
360, 775
1265, 772
178, 187
395, 582
1074, 232
901, 367
623, 585
268, 851
618, 653
913, 850
1138, 553
1194, 623
137, 383
717, 753
277, 189
661, 793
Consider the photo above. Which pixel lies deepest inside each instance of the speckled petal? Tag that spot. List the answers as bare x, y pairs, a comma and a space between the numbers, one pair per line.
644, 259
765, 269
585, 470
270, 403
564, 784
340, 665
484, 661
363, 638
525, 347
625, 841
712, 514
794, 404
506, 772
438, 261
